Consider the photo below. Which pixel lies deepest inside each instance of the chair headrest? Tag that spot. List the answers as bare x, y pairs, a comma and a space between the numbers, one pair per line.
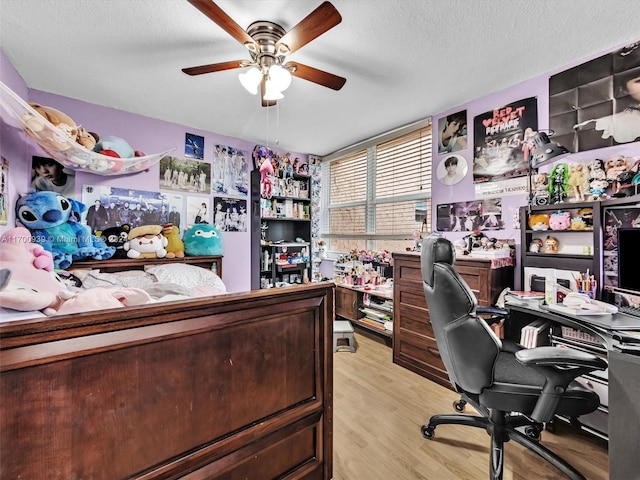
435, 249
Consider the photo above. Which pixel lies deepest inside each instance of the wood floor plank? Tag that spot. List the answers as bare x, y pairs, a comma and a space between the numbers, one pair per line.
379, 408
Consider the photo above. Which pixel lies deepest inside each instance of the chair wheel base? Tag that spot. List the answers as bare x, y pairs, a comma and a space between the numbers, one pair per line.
459, 406
428, 431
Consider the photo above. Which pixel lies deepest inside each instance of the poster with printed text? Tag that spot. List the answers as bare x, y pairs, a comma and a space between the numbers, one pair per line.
503, 140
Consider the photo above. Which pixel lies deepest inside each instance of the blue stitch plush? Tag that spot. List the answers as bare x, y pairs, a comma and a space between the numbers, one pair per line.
54, 222
203, 239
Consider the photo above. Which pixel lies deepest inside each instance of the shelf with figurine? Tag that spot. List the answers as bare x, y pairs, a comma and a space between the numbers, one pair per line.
70, 144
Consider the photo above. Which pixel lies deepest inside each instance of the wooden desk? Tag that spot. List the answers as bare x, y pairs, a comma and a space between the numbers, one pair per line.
349, 300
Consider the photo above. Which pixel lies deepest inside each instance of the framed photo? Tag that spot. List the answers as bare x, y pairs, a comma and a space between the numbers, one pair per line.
194, 146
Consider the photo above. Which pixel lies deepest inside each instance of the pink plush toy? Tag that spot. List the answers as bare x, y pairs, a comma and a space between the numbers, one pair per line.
560, 221
28, 282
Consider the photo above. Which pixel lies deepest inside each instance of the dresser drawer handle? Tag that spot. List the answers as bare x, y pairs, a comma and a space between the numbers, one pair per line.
433, 351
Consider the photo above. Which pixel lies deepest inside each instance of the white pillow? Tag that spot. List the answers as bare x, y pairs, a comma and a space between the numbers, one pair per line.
186, 275
135, 279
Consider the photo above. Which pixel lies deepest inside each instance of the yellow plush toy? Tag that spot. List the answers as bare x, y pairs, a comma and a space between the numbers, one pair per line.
175, 245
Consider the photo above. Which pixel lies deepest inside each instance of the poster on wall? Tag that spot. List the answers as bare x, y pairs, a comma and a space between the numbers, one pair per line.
194, 146
198, 210
114, 207
502, 141
230, 214
469, 216
49, 175
185, 175
230, 171
597, 104
4, 190
452, 169
452, 132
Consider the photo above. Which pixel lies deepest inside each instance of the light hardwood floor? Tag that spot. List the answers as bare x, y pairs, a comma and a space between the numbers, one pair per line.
379, 408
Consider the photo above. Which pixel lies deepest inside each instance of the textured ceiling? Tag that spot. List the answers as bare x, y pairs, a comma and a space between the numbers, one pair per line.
404, 60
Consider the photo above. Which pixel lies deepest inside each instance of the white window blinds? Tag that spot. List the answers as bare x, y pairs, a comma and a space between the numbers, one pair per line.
379, 196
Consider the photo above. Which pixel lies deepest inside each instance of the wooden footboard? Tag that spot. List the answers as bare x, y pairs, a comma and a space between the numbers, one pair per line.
235, 386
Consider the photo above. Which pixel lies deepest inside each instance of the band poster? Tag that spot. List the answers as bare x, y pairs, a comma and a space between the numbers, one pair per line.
502, 141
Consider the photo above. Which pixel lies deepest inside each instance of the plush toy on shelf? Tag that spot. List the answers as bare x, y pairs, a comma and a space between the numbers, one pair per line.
53, 221
116, 237
146, 241
560, 220
175, 245
203, 239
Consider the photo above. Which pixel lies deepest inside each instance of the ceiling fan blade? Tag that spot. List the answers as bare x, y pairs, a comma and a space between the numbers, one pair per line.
312, 26
215, 13
263, 89
215, 67
314, 75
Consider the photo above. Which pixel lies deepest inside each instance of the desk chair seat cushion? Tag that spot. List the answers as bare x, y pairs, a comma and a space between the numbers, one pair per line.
517, 388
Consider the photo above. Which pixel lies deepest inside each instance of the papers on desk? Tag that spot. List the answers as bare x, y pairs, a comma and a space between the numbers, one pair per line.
560, 308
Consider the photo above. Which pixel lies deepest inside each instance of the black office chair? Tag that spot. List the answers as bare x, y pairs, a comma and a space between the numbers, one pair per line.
538, 383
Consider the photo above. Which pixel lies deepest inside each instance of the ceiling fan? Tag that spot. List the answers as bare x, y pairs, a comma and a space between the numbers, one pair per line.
269, 44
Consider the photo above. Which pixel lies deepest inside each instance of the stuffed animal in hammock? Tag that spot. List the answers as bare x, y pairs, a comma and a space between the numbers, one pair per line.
54, 223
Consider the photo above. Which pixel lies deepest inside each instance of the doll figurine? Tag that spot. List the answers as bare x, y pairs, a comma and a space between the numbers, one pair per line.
614, 166
576, 180
541, 189
558, 182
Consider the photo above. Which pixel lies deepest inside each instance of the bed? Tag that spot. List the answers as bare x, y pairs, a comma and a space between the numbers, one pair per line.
218, 387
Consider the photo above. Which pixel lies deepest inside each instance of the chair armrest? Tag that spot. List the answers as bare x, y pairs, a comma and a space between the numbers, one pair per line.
560, 357
559, 366
496, 313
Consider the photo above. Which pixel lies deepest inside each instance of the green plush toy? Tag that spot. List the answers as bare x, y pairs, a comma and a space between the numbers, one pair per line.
203, 239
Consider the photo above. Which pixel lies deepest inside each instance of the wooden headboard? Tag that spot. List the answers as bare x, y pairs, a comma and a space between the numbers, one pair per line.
121, 264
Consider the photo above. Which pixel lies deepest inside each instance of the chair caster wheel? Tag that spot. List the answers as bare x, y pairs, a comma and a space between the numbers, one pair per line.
532, 432
459, 406
428, 431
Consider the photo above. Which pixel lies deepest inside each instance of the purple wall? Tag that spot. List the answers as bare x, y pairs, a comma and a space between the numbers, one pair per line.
146, 134
464, 190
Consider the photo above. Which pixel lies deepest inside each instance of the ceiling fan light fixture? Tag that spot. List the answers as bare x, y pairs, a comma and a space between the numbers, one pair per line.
280, 77
251, 79
271, 91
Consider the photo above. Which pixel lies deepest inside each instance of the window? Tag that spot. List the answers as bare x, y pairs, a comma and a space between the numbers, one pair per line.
380, 193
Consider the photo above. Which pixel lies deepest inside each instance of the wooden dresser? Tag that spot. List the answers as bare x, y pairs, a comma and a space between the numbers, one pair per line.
414, 345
